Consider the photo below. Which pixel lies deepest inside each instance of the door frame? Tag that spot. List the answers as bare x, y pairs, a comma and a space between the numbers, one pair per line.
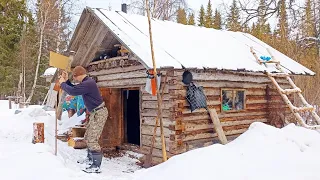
122, 114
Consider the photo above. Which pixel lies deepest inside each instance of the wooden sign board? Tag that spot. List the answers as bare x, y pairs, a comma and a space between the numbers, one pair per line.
59, 61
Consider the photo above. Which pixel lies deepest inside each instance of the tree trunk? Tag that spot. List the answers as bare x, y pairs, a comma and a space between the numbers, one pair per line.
38, 64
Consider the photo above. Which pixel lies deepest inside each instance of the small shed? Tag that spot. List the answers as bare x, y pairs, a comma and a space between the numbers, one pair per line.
115, 49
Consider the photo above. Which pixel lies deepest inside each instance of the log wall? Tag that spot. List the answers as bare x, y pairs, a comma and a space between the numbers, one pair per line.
185, 130
123, 73
194, 130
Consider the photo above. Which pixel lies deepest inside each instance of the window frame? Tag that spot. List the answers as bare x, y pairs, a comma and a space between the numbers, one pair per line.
234, 90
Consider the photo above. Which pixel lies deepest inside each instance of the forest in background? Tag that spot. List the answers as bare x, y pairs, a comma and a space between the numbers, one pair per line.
31, 28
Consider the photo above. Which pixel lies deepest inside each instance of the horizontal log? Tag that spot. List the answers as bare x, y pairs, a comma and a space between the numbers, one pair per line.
205, 115
148, 130
146, 140
225, 84
232, 78
156, 152
207, 142
151, 121
179, 73
209, 134
123, 82
117, 70
125, 75
202, 110
206, 124
155, 160
154, 105
149, 97
154, 113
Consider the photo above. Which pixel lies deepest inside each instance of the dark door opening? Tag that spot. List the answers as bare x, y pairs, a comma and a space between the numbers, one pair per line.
131, 116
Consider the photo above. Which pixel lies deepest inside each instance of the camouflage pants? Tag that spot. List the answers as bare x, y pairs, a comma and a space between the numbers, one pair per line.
94, 129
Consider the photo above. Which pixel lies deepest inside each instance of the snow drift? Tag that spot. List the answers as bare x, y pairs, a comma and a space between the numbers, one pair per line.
263, 152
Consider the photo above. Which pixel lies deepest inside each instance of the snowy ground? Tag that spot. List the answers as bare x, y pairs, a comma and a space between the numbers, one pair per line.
262, 153
20, 159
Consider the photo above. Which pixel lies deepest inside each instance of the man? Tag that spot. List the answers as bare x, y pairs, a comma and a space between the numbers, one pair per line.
93, 101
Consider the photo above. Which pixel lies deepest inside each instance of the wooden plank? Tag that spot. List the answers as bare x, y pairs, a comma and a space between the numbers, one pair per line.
118, 70
217, 126
148, 130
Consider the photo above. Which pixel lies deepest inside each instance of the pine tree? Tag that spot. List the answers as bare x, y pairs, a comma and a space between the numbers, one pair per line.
12, 15
209, 16
201, 18
182, 16
191, 19
217, 21
233, 18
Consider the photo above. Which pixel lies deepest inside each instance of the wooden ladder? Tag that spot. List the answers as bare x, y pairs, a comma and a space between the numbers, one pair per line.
284, 92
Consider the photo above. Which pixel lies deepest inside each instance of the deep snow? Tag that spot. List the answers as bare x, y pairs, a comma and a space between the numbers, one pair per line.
20, 159
263, 152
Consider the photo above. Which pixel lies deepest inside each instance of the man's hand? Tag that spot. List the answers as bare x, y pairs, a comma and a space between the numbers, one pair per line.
62, 80
64, 74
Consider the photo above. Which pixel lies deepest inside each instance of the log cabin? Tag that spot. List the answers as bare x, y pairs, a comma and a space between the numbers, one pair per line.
114, 47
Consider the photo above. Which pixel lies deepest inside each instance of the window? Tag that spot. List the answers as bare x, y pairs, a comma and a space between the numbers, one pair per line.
232, 99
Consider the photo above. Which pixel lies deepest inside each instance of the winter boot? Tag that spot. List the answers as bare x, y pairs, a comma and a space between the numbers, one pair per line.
87, 160
96, 163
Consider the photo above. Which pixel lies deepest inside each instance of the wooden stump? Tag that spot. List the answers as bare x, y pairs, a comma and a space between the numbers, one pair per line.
38, 133
77, 143
78, 131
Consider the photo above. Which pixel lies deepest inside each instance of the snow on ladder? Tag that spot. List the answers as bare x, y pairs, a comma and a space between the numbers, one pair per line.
284, 92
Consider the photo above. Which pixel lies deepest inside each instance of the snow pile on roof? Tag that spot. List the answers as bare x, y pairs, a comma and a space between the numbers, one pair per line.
193, 47
263, 153
49, 72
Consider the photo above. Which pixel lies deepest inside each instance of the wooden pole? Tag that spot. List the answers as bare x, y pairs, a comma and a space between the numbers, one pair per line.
59, 105
148, 160
164, 153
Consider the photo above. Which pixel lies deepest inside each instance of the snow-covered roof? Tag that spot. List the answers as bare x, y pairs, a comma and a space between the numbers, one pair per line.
177, 45
49, 72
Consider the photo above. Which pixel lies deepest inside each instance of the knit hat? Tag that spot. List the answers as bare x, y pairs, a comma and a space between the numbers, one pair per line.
78, 71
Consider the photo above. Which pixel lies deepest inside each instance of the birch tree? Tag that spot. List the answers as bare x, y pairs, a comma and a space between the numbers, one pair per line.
160, 9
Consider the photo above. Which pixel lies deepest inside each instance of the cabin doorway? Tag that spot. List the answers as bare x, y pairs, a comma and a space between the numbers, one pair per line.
131, 116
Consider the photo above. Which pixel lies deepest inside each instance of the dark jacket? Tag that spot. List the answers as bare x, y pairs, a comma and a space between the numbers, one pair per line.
88, 89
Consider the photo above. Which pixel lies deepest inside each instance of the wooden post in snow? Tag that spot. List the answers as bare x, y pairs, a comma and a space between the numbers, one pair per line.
164, 153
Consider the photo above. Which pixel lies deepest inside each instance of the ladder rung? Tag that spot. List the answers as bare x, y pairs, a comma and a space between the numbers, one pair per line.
271, 61
289, 91
279, 74
302, 109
